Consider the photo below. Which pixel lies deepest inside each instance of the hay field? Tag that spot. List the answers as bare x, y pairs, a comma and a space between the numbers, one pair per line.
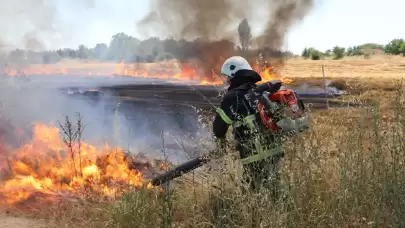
377, 67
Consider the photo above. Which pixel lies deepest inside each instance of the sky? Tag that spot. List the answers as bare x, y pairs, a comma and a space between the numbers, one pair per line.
349, 22
330, 23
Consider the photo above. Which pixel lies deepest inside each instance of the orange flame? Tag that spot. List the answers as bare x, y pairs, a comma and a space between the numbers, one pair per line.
47, 165
268, 74
167, 71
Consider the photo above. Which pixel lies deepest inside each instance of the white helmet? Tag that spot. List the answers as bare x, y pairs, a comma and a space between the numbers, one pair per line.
233, 65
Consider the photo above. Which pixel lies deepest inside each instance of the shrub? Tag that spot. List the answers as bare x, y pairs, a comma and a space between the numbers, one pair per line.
338, 52
316, 55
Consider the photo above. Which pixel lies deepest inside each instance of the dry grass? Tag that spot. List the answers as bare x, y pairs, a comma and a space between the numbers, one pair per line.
347, 171
377, 68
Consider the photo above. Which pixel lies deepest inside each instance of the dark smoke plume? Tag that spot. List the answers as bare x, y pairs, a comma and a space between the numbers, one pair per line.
284, 14
215, 22
191, 19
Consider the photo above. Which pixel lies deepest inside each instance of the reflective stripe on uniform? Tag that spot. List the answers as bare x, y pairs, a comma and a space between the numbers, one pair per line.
223, 116
248, 120
263, 155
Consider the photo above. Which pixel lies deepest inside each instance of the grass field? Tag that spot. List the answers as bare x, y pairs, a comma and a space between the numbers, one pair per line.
377, 67
346, 171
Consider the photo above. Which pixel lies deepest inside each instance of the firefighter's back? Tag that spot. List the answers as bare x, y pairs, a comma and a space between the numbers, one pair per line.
239, 103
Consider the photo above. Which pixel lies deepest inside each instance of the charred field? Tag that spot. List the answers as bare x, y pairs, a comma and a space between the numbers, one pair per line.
182, 99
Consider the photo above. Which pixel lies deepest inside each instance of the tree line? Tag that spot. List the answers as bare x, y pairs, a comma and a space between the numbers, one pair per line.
394, 47
123, 47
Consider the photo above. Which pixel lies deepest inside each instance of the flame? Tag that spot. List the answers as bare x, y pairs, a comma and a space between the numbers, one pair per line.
269, 74
166, 71
47, 165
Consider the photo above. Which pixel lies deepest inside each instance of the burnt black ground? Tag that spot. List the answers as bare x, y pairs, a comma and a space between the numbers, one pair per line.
205, 97
172, 106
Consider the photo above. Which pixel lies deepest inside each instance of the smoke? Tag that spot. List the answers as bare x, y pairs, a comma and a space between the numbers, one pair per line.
24, 104
133, 127
283, 15
214, 20
37, 25
33, 24
191, 19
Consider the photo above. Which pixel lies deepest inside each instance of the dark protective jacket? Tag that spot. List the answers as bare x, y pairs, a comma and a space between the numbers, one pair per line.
235, 104
236, 107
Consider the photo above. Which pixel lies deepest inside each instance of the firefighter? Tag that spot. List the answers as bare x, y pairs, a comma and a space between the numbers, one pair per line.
259, 152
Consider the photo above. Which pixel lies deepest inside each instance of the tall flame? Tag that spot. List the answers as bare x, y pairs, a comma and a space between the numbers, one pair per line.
47, 165
268, 74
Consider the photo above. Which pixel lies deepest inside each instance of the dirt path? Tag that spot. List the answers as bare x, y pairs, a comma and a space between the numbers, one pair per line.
7, 221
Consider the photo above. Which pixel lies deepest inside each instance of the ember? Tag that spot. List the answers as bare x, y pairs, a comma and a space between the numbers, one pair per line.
48, 166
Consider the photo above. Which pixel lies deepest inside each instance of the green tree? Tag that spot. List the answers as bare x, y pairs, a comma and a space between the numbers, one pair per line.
245, 35
372, 46
172, 46
306, 53
149, 49
83, 52
100, 51
402, 49
338, 52
122, 47
394, 47
316, 55
354, 51
311, 53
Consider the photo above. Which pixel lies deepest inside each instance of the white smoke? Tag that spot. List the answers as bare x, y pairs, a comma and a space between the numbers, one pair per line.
129, 126
34, 24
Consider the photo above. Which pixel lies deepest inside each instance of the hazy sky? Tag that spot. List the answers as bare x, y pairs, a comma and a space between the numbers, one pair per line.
331, 22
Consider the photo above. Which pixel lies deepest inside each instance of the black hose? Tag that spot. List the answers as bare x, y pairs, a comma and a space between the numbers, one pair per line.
179, 170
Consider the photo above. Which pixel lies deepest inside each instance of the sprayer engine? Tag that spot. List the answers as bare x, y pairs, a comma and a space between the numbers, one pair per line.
275, 104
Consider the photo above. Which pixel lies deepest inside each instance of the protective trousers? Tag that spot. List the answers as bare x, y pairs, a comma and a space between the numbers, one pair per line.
263, 173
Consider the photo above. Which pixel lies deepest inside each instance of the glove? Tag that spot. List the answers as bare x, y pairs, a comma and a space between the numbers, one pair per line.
287, 124
302, 123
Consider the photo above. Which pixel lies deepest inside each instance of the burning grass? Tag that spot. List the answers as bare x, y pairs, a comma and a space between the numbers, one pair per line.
51, 167
169, 70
